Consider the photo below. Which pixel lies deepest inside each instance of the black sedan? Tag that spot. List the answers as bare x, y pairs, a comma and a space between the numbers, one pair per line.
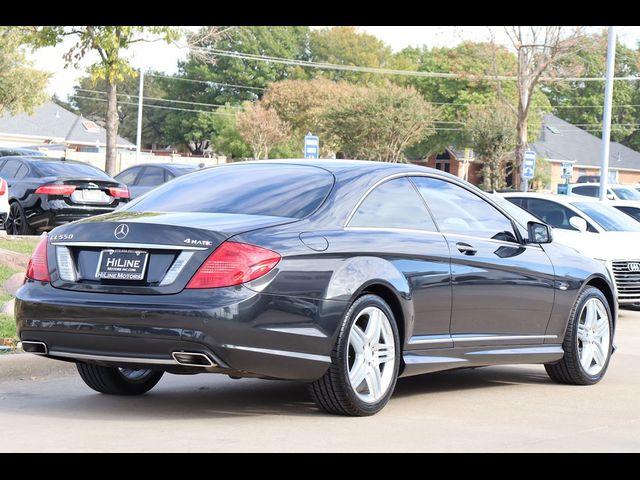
142, 178
46, 192
342, 274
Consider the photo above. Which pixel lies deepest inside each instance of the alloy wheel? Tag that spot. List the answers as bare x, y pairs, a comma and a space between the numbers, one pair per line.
134, 375
372, 355
13, 224
594, 336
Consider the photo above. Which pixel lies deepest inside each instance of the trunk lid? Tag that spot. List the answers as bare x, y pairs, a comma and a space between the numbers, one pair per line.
170, 247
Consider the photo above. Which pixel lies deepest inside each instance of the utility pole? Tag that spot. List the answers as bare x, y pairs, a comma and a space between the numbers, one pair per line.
606, 117
139, 130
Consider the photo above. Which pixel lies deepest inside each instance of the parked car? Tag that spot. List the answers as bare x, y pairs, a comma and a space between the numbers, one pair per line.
142, 178
45, 192
188, 279
15, 152
595, 229
614, 191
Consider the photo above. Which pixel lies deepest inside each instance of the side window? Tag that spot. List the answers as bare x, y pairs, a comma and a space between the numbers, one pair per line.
587, 191
10, 168
168, 176
151, 177
22, 172
552, 213
129, 176
394, 204
457, 210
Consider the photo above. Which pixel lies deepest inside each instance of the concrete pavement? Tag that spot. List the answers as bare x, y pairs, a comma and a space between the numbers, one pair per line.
514, 408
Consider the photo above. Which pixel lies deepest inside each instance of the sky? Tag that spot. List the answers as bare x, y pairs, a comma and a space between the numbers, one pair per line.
163, 57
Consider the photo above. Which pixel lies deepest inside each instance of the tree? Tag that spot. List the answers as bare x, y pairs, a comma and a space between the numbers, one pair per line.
302, 104
539, 51
490, 132
346, 46
262, 129
581, 103
22, 88
193, 131
380, 122
89, 100
109, 42
227, 139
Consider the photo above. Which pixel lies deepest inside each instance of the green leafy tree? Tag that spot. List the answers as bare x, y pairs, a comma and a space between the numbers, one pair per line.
193, 131
22, 88
89, 99
226, 137
581, 103
110, 43
491, 134
262, 129
542, 176
380, 122
346, 46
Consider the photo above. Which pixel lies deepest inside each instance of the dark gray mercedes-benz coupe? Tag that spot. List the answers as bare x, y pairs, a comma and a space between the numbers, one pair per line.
342, 274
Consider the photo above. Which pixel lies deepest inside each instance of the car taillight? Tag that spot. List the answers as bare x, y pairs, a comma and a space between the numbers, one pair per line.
3, 186
119, 192
38, 268
233, 263
56, 189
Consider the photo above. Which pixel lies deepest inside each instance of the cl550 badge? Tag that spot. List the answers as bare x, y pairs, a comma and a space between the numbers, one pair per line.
203, 243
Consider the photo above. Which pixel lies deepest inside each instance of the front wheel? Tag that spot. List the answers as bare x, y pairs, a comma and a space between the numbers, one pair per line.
118, 381
588, 341
364, 362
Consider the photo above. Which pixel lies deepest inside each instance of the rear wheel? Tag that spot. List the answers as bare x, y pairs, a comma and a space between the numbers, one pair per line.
118, 381
16, 223
588, 341
364, 362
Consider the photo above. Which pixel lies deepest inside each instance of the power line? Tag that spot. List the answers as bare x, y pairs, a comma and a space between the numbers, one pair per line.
207, 82
390, 71
159, 106
159, 99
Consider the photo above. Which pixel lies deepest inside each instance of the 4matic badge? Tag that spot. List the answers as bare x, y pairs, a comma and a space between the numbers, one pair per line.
201, 243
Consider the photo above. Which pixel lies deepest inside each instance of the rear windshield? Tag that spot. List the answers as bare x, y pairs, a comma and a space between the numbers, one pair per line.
63, 169
276, 190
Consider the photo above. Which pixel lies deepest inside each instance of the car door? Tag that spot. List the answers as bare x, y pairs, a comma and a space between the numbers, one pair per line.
394, 216
503, 289
148, 179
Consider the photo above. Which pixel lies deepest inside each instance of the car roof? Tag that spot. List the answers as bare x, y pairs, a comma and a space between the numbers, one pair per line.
162, 164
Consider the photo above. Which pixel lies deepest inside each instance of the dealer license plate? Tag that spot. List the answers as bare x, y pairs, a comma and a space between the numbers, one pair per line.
118, 264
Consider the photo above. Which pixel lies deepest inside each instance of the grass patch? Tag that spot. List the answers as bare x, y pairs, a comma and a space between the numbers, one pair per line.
22, 245
7, 326
5, 273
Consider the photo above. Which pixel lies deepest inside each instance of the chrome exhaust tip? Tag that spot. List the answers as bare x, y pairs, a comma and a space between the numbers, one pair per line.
193, 359
39, 348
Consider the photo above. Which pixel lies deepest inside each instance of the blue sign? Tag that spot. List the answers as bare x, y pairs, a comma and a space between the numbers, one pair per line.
529, 164
311, 146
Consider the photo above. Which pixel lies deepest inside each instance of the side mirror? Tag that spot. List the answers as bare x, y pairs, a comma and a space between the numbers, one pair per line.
610, 196
578, 223
539, 233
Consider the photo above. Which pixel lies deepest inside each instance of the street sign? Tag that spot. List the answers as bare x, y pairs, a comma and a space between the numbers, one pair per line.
529, 164
311, 146
567, 170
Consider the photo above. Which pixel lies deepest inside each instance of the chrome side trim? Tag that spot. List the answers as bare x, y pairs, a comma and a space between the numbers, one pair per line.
109, 358
148, 246
533, 350
305, 331
282, 353
479, 338
426, 339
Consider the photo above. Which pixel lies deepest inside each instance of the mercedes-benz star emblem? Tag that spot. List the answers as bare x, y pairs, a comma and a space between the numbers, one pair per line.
121, 231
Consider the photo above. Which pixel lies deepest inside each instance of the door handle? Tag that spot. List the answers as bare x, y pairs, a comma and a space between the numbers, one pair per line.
466, 249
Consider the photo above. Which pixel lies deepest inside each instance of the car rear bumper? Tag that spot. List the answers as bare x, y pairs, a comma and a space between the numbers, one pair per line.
52, 214
240, 332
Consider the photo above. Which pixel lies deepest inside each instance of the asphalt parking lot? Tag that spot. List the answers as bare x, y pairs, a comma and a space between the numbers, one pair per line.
514, 408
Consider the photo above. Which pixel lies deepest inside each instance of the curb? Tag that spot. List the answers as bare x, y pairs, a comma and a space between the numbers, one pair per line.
26, 366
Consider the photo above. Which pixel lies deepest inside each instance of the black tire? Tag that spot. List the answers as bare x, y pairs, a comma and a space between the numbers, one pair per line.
333, 392
569, 370
114, 381
16, 222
